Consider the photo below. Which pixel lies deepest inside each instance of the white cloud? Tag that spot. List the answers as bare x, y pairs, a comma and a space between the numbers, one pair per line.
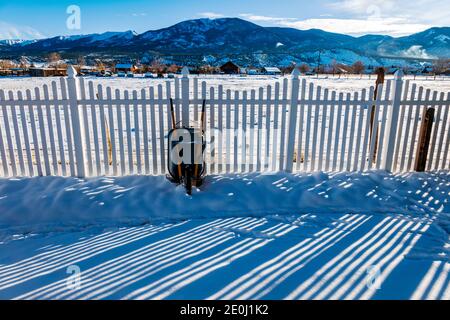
258, 18
358, 17
13, 31
433, 12
356, 27
352, 26
210, 15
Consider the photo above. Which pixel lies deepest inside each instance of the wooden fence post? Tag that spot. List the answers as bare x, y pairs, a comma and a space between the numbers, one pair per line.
292, 125
424, 139
76, 121
185, 96
390, 135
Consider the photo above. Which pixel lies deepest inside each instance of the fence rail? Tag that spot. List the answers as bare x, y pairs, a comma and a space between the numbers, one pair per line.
74, 128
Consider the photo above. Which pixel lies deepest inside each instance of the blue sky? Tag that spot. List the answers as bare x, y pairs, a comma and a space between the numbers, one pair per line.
29, 19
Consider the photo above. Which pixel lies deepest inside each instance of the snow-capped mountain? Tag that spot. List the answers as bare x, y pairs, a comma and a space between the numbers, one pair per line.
237, 37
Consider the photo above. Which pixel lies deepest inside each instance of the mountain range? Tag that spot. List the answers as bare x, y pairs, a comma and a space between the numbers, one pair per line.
213, 40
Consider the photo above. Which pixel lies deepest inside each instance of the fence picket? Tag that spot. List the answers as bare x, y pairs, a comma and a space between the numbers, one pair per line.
383, 126
283, 125
50, 130
162, 126
244, 120
330, 132
436, 126
337, 131
145, 132
415, 133
315, 128
352, 131
3, 154
220, 107
276, 107
12, 158
268, 131
227, 133
137, 133
112, 130
346, 108
235, 136
212, 145
17, 135
308, 131
119, 108
42, 133
26, 138
103, 131
68, 127
37, 154
406, 134
301, 111
324, 108
59, 130
440, 140
252, 130
259, 132
400, 127
360, 107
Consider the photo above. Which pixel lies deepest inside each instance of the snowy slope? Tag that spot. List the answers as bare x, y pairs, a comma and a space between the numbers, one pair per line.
30, 203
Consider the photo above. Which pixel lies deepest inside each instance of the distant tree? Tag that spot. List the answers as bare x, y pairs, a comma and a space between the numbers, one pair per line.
304, 68
440, 66
334, 67
157, 67
81, 61
23, 62
53, 59
358, 67
99, 65
173, 68
6, 64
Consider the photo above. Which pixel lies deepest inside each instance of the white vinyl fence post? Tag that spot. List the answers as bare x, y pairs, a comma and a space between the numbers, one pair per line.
392, 122
185, 96
76, 121
292, 125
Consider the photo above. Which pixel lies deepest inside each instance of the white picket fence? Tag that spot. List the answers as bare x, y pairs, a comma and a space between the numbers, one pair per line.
76, 129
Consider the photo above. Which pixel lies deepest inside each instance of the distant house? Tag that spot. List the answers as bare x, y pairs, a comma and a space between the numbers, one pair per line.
271, 70
124, 67
230, 68
48, 72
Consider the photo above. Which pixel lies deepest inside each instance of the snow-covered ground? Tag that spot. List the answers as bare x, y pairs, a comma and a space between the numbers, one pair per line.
369, 235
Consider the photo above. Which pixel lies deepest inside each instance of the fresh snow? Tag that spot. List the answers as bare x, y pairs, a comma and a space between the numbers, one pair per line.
343, 84
372, 235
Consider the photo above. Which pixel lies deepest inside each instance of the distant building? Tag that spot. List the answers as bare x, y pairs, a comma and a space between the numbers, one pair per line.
230, 68
124, 67
48, 72
271, 70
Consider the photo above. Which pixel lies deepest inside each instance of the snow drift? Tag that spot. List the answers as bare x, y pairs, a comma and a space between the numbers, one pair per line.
36, 202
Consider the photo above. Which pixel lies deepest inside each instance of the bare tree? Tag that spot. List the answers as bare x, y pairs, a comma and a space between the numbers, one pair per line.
358, 67
53, 59
334, 67
304, 68
440, 66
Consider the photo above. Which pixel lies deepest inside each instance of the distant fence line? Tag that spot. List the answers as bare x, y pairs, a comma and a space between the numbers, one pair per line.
77, 129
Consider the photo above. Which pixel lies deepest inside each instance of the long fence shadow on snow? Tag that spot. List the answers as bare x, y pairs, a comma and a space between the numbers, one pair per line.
340, 256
